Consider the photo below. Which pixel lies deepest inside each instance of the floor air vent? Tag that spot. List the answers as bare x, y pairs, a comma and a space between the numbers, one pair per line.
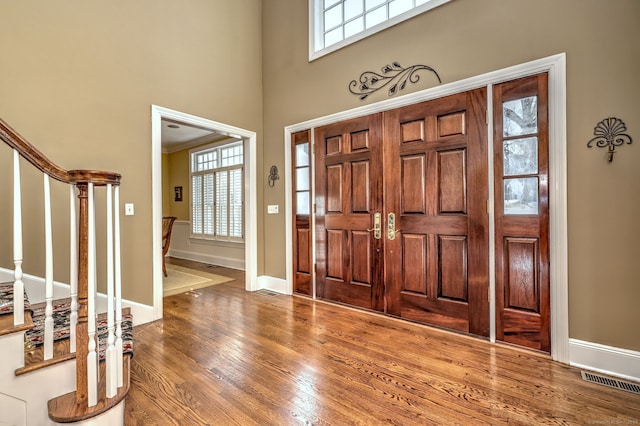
612, 383
267, 293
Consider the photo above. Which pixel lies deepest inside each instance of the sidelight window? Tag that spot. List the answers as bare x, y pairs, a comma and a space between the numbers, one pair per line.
520, 155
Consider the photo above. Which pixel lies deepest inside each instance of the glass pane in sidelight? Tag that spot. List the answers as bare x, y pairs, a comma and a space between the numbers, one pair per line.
520, 116
302, 154
303, 206
302, 179
520, 156
521, 196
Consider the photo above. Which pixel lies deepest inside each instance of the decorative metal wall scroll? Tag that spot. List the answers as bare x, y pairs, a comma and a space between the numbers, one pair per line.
273, 176
609, 133
394, 75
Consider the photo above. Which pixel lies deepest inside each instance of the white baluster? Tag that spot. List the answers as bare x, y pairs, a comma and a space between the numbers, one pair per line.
92, 356
73, 268
48, 274
18, 285
111, 368
118, 289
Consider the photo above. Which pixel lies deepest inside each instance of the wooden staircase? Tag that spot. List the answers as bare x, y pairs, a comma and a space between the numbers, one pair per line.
62, 381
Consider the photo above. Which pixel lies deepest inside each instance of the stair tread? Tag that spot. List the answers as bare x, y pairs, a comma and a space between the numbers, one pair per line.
65, 408
34, 358
7, 327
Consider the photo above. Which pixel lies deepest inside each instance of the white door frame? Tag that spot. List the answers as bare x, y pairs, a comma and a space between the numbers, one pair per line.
250, 185
555, 66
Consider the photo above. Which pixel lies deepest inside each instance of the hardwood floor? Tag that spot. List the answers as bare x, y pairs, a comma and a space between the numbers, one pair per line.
224, 356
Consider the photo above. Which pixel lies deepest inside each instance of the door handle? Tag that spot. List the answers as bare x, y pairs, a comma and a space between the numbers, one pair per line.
377, 226
391, 226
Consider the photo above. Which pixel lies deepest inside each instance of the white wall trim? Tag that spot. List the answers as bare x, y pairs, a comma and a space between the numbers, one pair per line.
222, 253
251, 198
271, 283
604, 359
227, 262
556, 67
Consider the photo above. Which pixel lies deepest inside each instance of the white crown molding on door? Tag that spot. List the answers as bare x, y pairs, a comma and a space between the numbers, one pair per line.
555, 66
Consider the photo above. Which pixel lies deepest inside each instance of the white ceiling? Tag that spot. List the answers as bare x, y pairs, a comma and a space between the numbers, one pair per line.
185, 136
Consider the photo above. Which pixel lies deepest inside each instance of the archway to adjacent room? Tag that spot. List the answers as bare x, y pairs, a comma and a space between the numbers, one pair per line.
249, 137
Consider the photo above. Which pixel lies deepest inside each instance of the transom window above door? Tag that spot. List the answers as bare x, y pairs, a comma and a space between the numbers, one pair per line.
334, 24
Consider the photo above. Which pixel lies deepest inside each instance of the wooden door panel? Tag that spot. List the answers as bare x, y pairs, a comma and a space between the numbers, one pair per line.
335, 254
348, 194
361, 257
303, 263
360, 187
359, 140
451, 124
436, 154
521, 276
334, 188
333, 145
414, 266
452, 178
413, 184
452, 265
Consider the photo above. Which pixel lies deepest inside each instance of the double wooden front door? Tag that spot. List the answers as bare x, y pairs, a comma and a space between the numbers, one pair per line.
401, 219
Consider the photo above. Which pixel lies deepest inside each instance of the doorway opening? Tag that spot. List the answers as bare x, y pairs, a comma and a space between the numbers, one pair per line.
205, 126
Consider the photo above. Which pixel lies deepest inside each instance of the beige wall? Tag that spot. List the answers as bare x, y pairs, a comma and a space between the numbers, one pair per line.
469, 37
78, 80
178, 165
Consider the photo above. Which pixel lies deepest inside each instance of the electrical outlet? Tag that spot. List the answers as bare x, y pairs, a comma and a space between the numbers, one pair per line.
128, 209
272, 209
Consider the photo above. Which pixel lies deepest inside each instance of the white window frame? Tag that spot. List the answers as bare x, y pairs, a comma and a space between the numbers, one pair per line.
217, 146
316, 18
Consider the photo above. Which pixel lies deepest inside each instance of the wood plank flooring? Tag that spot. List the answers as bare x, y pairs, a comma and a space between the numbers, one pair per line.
224, 356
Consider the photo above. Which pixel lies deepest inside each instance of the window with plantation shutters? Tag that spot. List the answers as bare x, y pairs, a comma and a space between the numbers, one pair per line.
217, 192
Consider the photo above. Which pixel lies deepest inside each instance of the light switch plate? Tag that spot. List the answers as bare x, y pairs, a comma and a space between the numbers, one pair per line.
128, 209
273, 209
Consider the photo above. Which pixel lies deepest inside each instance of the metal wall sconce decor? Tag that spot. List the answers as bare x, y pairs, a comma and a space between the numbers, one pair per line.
394, 75
273, 176
609, 133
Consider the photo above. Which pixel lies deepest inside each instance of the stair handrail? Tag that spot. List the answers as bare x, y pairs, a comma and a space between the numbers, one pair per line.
42, 163
84, 181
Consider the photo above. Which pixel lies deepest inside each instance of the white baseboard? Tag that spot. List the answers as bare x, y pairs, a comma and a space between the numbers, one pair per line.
604, 359
274, 284
207, 258
34, 286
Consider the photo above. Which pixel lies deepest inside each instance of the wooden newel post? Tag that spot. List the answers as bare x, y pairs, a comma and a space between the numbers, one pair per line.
82, 342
